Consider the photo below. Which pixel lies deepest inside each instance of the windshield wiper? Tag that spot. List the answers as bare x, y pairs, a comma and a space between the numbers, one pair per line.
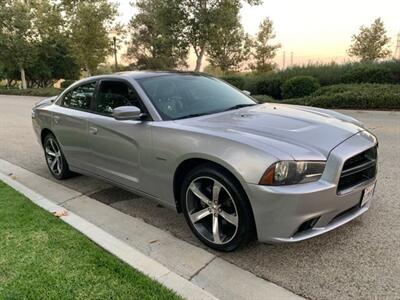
191, 116
238, 106
213, 112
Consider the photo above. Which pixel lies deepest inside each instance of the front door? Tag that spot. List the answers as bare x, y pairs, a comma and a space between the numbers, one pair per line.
119, 148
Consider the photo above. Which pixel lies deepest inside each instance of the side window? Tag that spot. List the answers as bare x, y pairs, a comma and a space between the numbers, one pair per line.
113, 94
80, 97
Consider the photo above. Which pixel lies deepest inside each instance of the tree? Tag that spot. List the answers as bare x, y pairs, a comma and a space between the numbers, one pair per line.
89, 24
16, 36
202, 23
157, 38
229, 45
52, 61
370, 44
53, 58
35, 48
264, 52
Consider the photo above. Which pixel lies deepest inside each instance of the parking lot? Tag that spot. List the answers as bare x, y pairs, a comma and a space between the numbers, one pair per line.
358, 260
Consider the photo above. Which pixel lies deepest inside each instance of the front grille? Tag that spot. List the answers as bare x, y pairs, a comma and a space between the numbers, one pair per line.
359, 168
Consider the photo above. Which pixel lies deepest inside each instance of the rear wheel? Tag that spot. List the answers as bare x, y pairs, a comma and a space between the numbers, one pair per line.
55, 159
216, 210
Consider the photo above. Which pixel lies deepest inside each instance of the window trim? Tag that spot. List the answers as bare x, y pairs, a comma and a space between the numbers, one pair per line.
94, 108
61, 100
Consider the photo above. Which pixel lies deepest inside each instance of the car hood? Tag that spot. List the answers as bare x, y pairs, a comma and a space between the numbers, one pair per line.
286, 128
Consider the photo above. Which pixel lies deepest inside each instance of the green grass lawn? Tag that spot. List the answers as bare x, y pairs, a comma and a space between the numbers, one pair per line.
41, 257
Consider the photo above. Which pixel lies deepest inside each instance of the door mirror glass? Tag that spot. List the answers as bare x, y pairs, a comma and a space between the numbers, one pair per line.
127, 113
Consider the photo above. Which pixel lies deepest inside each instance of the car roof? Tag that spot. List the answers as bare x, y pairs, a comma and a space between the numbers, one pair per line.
136, 75
147, 74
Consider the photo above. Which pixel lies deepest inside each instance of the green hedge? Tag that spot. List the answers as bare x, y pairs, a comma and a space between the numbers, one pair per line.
268, 85
369, 74
235, 80
40, 92
355, 96
299, 86
328, 74
264, 98
350, 96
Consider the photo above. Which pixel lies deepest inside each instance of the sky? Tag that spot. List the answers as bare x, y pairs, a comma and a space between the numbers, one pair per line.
313, 30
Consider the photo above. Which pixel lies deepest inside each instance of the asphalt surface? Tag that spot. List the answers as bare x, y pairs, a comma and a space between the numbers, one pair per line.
359, 260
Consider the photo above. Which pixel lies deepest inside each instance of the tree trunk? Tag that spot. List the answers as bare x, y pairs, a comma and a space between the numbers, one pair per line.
199, 59
23, 79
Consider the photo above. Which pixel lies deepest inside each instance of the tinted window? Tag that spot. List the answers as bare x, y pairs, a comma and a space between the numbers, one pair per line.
80, 97
182, 95
113, 94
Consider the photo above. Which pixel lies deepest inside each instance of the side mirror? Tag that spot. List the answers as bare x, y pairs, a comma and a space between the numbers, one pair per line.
124, 113
246, 92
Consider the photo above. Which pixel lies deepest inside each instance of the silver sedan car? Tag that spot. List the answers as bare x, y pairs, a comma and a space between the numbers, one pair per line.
237, 169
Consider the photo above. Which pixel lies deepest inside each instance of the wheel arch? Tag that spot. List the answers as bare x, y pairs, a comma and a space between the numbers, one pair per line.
190, 163
44, 133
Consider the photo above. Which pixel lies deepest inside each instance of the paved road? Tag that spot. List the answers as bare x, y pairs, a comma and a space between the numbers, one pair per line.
359, 260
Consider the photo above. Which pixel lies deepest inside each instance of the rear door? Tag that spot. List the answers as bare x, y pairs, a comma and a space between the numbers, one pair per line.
70, 124
120, 149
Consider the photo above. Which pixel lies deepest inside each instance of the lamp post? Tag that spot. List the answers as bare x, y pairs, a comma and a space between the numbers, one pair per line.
115, 53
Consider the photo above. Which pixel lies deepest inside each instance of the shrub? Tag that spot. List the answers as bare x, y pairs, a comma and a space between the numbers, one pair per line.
299, 86
39, 92
326, 74
267, 85
368, 74
356, 96
263, 98
67, 83
235, 80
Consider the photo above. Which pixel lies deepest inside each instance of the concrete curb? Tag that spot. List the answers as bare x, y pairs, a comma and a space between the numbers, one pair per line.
192, 272
123, 251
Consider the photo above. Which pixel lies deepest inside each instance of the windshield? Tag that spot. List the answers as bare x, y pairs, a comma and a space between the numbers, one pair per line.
181, 96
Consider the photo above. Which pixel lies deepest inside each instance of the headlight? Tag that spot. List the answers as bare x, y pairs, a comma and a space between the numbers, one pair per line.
292, 172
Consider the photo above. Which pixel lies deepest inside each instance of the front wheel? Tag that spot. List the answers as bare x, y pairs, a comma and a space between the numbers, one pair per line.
216, 210
55, 159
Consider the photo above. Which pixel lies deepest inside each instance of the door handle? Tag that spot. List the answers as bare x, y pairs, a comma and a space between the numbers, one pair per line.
93, 130
56, 119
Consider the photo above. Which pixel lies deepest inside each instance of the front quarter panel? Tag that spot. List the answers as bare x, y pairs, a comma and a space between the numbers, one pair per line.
173, 145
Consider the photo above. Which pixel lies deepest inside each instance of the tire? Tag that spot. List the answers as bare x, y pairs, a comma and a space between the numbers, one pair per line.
55, 158
216, 209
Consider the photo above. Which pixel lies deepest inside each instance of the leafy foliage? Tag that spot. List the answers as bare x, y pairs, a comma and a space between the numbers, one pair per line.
44, 39
299, 86
368, 74
89, 25
271, 86
232, 47
264, 52
156, 40
203, 19
348, 96
331, 74
39, 92
16, 36
66, 83
361, 96
370, 44
236, 81
264, 99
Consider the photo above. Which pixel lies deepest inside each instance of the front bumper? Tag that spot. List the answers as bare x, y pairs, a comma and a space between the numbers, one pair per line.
298, 212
